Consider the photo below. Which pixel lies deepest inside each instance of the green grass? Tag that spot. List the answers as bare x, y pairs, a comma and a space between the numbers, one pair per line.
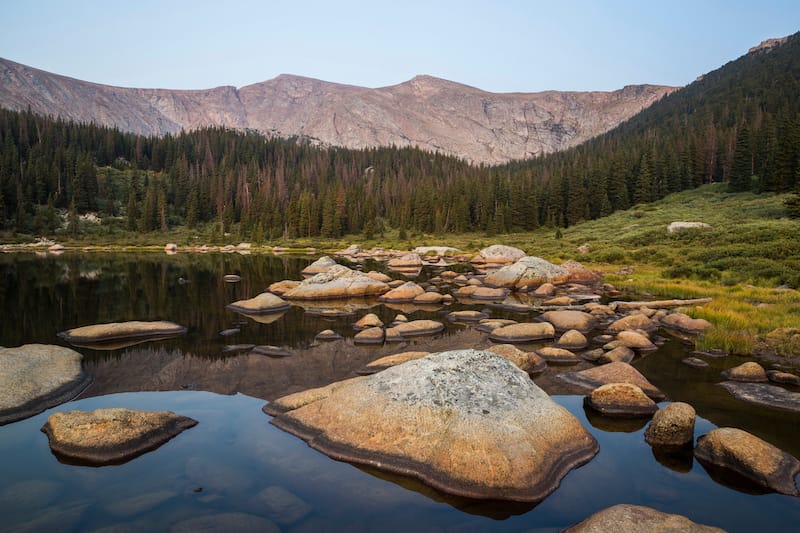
745, 262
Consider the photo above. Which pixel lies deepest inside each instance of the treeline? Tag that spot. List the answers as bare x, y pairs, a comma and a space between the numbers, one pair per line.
739, 124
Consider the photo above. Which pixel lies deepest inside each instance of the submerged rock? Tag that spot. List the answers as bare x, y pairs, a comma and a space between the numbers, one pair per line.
758, 461
281, 506
672, 426
621, 400
111, 436
694, 362
764, 394
638, 519
225, 523
338, 282
120, 330
482, 428
35, 377
617, 372
263, 303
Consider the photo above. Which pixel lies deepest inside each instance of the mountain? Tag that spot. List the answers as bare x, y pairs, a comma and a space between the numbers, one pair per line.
431, 113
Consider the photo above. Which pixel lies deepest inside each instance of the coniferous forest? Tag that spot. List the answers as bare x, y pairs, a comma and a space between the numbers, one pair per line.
739, 124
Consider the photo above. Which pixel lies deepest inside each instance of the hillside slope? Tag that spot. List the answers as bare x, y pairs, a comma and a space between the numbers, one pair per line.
428, 112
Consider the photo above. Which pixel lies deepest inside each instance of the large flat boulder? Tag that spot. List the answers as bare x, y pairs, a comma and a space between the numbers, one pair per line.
528, 272
638, 519
264, 303
35, 377
466, 422
111, 436
113, 331
617, 372
338, 282
738, 451
764, 394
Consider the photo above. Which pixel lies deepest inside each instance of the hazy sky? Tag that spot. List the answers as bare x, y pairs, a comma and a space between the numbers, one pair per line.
494, 45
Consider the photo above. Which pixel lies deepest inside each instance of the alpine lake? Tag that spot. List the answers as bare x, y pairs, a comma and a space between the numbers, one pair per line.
234, 460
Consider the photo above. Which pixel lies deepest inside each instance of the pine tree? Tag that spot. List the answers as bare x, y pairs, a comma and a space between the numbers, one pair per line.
742, 167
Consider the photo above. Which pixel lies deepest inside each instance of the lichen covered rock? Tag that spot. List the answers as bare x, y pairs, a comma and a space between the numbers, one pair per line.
481, 428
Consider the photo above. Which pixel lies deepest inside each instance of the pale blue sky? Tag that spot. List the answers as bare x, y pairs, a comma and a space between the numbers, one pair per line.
495, 45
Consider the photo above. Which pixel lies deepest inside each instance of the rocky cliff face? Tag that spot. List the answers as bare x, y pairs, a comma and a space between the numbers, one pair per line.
428, 112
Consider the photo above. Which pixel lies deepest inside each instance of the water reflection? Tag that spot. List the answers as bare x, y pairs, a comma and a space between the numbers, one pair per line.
234, 454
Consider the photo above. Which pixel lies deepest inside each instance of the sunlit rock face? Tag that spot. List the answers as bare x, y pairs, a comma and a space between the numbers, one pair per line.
466, 422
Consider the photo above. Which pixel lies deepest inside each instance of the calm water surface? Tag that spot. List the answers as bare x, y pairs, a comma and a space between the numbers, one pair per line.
234, 456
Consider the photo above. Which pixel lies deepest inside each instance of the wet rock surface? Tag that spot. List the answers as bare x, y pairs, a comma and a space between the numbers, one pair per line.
482, 428
617, 372
111, 436
764, 394
621, 400
112, 331
263, 303
672, 426
738, 451
638, 519
35, 377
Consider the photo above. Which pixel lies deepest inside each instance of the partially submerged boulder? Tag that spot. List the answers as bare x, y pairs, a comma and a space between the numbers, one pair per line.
635, 340
573, 340
621, 400
638, 519
618, 354
617, 372
281, 287
404, 293
370, 320
111, 436
528, 362
35, 377
338, 282
525, 332
466, 316
372, 335
482, 428
672, 426
630, 322
112, 331
764, 394
738, 451
527, 273
323, 264
558, 356
567, 319
264, 303
749, 371
418, 327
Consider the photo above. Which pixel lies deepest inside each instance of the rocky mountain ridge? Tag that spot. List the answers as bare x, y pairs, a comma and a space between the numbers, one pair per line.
428, 112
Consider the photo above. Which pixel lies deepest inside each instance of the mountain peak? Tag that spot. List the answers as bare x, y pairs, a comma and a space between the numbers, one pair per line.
768, 44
